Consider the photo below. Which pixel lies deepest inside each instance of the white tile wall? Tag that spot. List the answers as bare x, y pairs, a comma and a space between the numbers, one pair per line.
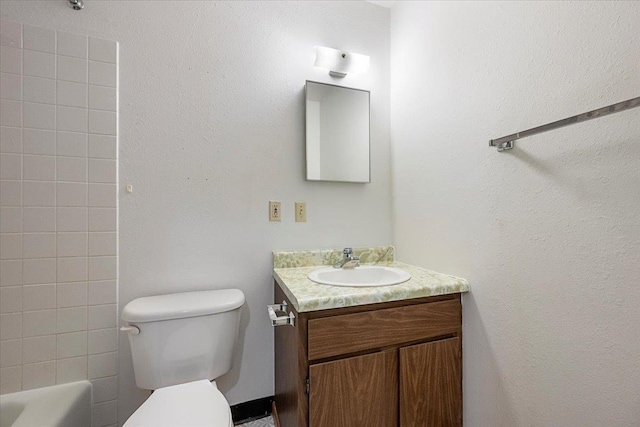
10, 379
72, 244
38, 116
39, 168
10, 353
36, 141
102, 219
72, 194
10, 193
11, 272
58, 212
39, 219
38, 297
103, 365
11, 34
104, 389
10, 140
72, 45
102, 292
40, 270
39, 193
38, 323
36, 38
10, 246
71, 219
10, 113
103, 341
10, 326
72, 294
71, 319
40, 90
72, 69
10, 299
11, 219
102, 50
100, 98
71, 344
102, 146
72, 144
102, 244
104, 414
11, 86
36, 375
71, 94
39, 349
10, 166
103, 316
102, 74
72, 119
39, 245
72, 169
71, 369
11, 60
72, 269
39, 64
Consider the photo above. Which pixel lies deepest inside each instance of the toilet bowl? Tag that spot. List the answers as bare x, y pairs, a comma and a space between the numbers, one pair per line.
179, 343
195, 404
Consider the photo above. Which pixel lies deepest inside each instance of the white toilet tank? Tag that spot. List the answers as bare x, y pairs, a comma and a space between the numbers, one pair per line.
183, 337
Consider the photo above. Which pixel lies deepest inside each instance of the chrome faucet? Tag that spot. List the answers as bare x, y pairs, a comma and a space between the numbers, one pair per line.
349, 260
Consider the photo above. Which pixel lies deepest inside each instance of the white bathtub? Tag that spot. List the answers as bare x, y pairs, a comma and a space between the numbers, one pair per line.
65, 405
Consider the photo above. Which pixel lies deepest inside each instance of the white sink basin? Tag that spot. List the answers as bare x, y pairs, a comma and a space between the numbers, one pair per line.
363, 276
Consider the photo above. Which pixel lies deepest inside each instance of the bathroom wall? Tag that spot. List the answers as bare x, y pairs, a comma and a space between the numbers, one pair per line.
211, 129
547, 233
58, 212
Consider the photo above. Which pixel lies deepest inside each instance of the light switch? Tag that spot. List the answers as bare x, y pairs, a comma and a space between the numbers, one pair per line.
301, 212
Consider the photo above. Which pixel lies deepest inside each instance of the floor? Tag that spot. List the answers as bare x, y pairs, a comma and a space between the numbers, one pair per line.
262, 422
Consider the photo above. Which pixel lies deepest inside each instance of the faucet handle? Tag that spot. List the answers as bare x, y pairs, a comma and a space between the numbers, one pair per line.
347, 251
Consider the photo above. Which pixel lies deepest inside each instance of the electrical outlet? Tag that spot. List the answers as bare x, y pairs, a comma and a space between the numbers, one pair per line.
275, 211
301, 212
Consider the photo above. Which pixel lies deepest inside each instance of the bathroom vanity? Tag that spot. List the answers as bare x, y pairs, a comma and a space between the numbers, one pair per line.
369, 356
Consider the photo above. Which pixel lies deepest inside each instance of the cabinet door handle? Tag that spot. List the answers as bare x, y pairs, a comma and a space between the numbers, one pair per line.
288, 319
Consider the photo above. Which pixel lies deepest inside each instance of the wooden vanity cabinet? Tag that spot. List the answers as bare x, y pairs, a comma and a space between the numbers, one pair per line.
394, 364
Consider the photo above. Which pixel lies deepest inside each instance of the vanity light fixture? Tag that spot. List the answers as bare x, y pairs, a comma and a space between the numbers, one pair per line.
341, 63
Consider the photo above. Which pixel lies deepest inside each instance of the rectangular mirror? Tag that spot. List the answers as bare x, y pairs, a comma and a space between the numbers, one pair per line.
337, 128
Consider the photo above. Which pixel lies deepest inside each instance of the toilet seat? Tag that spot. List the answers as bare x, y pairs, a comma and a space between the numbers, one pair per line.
194, 404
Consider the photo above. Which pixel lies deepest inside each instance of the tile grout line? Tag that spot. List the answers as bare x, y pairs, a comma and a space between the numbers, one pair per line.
55, 90
22, 210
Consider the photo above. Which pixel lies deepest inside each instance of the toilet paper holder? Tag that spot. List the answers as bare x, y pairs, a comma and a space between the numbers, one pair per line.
287, 319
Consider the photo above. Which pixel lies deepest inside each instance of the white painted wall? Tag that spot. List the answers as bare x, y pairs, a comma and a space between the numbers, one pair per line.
211, 128
546, 233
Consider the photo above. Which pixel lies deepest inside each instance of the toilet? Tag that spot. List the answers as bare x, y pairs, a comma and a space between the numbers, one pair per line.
180, 343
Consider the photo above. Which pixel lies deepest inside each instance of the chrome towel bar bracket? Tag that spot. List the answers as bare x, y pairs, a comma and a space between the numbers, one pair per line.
508, 142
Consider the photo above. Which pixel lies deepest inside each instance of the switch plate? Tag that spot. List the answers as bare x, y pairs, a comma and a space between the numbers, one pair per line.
275, 211
301, 212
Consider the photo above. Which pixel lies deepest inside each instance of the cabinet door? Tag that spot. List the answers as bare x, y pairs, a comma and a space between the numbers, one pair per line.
358, 391
431, 384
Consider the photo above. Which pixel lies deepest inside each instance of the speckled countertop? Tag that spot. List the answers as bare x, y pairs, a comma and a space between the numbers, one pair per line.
291, 270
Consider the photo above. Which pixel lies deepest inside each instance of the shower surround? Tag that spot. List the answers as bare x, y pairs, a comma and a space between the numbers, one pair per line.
58, 213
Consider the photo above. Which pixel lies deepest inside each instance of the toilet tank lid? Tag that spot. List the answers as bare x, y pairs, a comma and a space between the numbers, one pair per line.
182, 305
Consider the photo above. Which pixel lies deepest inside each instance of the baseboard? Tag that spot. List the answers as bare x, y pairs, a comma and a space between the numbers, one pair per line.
254, 409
